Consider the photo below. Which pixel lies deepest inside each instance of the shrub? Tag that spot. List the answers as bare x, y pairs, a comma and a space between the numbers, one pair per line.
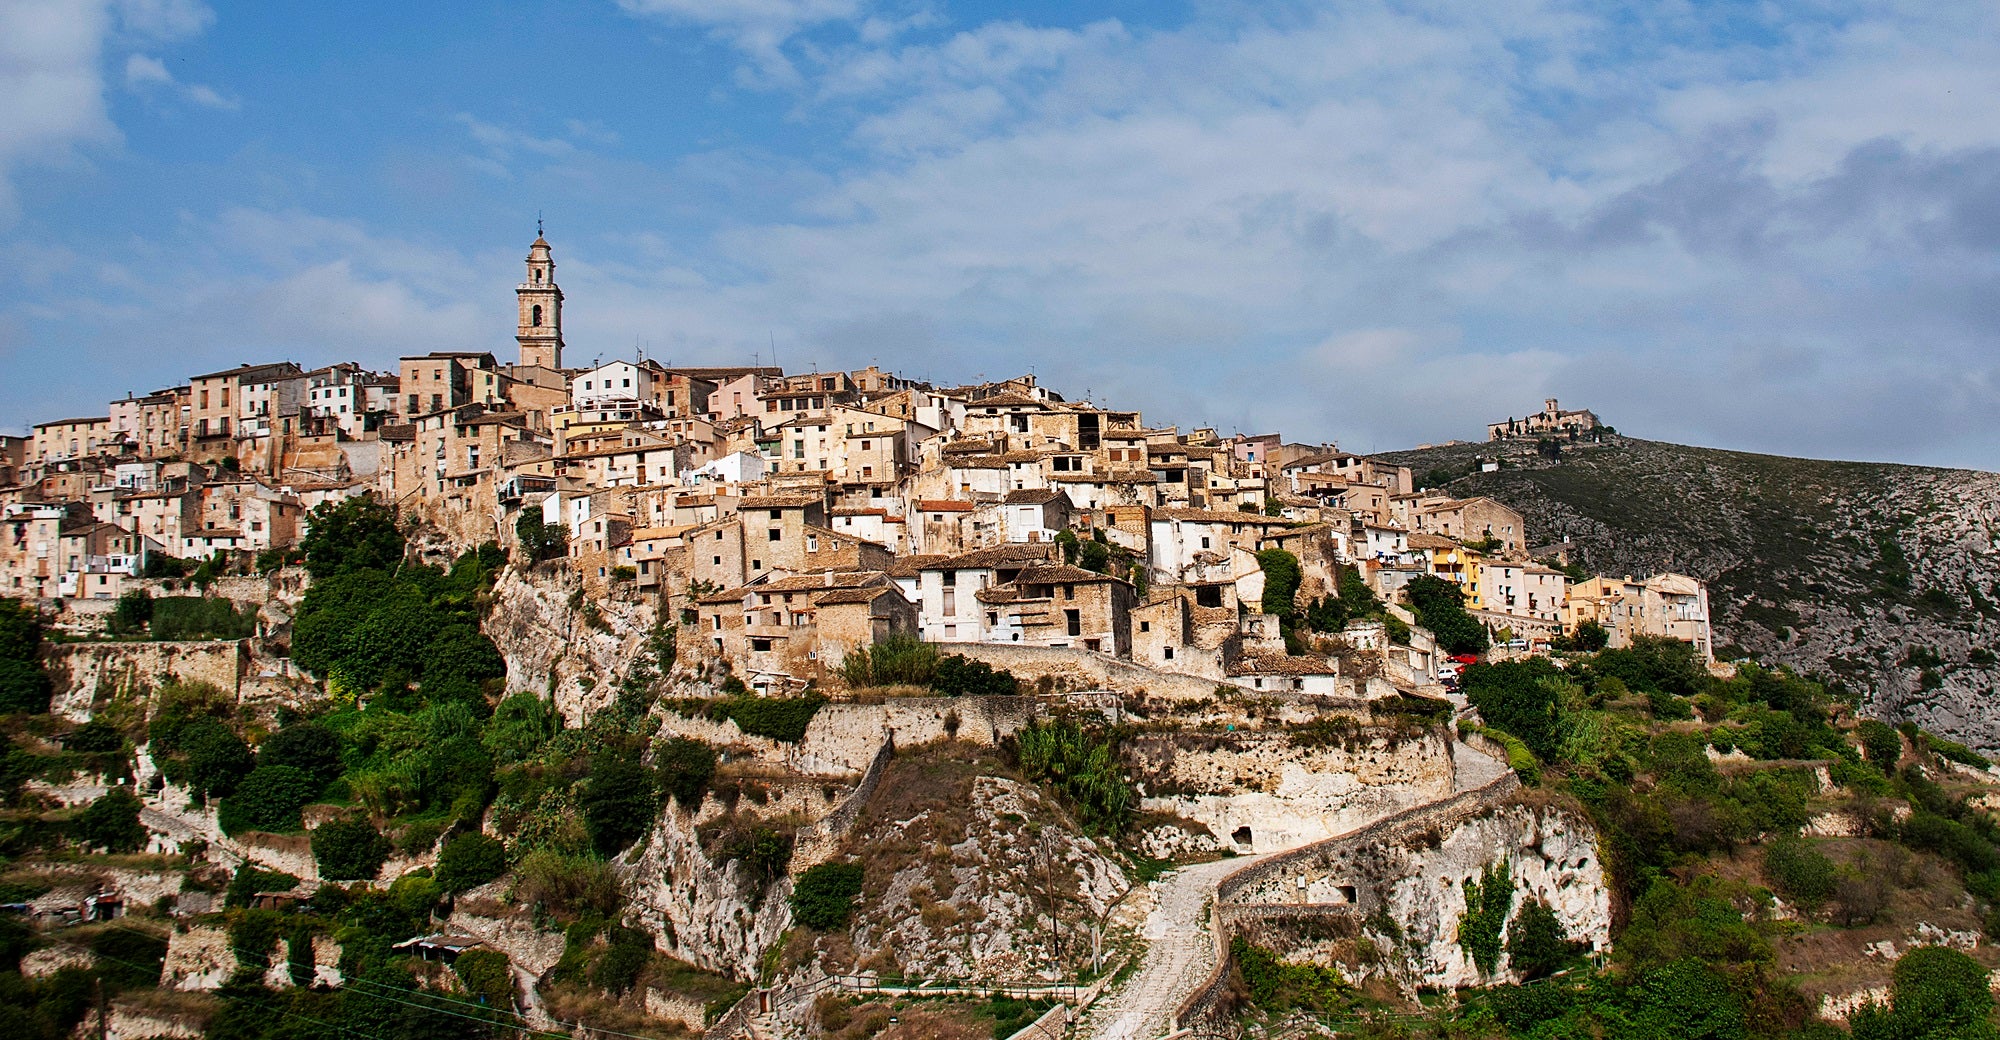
351, 535
1440, 607
896, 660
248, 881
129, 959
824, 895
1934, 993
306, 746
95, 737
111, 823
134, 610
1282, 576
959, 676
469, 860
566, 887
619, 802
349, 849
783, 719
1882, 743
522, 723
200, 617
486, 975
1536, 943
540, 541
1081, 766
1486, 904
1799, 871
269, 799
684, 767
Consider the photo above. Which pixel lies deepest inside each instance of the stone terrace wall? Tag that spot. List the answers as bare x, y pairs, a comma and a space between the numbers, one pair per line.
1207, 1012
86, 675
815, 843
1084, 668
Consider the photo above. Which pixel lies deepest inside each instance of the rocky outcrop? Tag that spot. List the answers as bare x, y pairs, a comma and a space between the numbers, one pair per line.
717, 917
562, 646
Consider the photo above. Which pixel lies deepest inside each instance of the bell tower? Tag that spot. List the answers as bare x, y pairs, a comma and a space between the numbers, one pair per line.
540, 332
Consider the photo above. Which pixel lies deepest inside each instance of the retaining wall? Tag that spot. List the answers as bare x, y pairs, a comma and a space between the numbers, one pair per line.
86, 675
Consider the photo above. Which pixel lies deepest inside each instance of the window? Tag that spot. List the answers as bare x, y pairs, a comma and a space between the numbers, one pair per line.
1145, 626
535, 315
1167, 652
760, 644
1073, 622
777, 514
718, 561
866, 445
1204, 541
812, 546
777, 533
951, 601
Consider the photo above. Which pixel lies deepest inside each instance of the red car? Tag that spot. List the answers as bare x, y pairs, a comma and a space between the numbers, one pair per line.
1466, 658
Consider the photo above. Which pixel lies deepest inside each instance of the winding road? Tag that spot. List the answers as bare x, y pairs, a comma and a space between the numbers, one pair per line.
1180, 953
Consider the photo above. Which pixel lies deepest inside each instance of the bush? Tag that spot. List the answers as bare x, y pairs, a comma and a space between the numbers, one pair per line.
306, 746
1282, 576
1536, 943
1882, 743
1799, 871
783, 719
824, 895
1521, 697
619, 802
1486, 904
248, 881
469, 860
134, 610
1440, 607
95, 737
129, 959
1934, 993
200, 617
24, 686
269, 799
566, 887
352, 535
540, 541
684, 767
486, 975
111, 823
202, 753
1083, 767
349, 849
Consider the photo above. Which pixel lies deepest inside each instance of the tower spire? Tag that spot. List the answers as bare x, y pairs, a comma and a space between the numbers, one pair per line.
540, 302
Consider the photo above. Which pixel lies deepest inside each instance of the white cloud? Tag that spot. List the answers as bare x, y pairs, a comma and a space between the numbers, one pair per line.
147, 74
759, 28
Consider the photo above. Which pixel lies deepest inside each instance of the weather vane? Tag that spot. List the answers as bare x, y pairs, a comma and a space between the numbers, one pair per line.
538, 223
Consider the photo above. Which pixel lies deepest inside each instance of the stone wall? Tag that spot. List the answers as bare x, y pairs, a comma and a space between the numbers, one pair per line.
1084, 669
87, 675
1270, 881
815, 843
1052, 1025
1262, 793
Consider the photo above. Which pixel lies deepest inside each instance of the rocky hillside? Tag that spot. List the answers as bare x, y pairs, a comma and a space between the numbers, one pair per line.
1884, 578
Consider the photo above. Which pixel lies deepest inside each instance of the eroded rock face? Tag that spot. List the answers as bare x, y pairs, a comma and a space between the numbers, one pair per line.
971, 902
715, 917
565, 647
1551, 855
1260, 793
198, 959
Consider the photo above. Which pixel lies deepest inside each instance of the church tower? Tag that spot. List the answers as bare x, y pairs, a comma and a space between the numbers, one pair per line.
540, 332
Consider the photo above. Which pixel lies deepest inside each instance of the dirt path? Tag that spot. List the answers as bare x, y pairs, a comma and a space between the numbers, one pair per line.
1179, 955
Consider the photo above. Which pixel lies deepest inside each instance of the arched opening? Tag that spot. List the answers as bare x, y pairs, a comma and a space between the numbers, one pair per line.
538, 276
535, 317
1242, 836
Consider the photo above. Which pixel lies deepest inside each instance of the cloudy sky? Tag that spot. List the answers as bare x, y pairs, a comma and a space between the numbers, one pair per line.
1771, 227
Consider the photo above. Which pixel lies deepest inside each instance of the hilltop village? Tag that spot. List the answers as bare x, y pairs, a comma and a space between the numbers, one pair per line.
639, 701
789, 519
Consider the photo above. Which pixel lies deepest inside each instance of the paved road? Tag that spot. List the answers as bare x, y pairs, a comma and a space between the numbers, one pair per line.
1179, 952
1179, 956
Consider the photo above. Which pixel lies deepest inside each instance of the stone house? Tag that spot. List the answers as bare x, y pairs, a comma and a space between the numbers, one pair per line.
1671, 605
1193, 545
1058, 605
779, 632
1469, 520
946, 588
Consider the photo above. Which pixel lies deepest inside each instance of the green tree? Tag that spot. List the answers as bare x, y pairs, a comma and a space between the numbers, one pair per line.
1282, 576
1094, 556
307, 746
1537, 946
111, 823
134, 610
24, 686
1520, 697
1070, 545
269, 799
619, 802
1082, 766
540, 541
824, 896
684, 767
349, 849
1440, 607
469, 860
351, 535
1935, 994
1882, 743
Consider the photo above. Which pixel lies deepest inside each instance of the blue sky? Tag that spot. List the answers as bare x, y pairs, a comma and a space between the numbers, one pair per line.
1771, 227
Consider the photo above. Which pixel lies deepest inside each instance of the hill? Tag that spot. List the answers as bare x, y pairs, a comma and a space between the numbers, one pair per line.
1882, 578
